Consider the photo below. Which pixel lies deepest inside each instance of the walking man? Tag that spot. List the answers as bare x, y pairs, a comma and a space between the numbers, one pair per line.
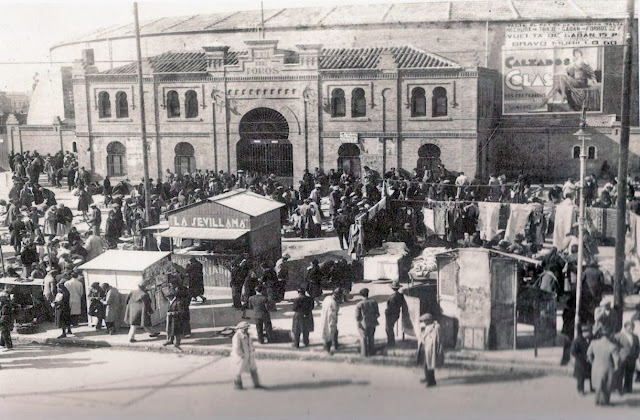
239, 273
629, 352
395, 305
341, 225
367, 315
431, 348
76, 295
113, 305
242, 356
138, 312
261, 315
196, 280
329, 321
302, 318
605, 361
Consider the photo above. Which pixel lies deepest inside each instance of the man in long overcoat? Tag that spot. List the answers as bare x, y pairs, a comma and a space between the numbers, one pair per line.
395, 305
242, 356
113, 308
430, 348
76, 296
367, 318
138, 312
581, 363
196, 279
261, 315
605, 361
629, 352
329, 321
302, 318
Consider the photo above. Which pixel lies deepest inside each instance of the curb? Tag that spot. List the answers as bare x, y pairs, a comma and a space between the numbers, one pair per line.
452, 361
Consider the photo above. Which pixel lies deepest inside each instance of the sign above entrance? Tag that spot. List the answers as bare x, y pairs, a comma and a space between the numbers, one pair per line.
348, 137
211, 222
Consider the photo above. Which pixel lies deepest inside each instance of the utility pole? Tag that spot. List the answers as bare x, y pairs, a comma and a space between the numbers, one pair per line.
621, 228
143, 127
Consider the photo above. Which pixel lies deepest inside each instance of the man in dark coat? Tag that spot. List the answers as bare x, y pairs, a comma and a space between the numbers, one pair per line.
629, 352
367, 318
177, 323
196, 279
269, 280
302, 318
313, 280
239, 273
261, 316
582, 365
341, 225
395, 305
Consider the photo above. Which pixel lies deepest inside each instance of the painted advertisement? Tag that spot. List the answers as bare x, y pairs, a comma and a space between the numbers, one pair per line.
556, 67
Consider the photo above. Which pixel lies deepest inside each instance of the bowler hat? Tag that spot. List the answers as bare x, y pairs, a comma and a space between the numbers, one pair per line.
395, 285
364, 292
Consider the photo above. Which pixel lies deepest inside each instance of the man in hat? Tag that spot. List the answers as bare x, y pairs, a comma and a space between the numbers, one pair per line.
75, 286
113, 308
239, 272
196, 279
316, 195
138, 312
367, 315
629, 352
341, 225
302, 318
605, 361
261, 315
329, 321
243, 357
395, 305
582, 365
6, 320
431, 348
282, 273
95, 218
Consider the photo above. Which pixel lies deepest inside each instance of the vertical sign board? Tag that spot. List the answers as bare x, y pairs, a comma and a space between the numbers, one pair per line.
556, 67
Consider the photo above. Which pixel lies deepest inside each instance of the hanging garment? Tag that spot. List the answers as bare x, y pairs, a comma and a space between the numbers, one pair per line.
536, 225
565, 217
429, 221
439, 217
518, 221
631, 243
488, 220
354, 238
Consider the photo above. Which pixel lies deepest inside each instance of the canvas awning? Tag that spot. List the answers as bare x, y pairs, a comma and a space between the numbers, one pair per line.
199, 233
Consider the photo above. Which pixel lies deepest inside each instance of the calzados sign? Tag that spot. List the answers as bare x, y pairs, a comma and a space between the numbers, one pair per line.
211, 222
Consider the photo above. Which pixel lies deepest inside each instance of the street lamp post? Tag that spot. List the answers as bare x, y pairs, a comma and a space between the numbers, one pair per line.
583, 136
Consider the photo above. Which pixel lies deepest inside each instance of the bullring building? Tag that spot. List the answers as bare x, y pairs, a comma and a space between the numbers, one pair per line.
479, 86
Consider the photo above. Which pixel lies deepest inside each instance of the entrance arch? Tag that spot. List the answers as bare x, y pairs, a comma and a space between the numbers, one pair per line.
349, 159
428, 157
264, 145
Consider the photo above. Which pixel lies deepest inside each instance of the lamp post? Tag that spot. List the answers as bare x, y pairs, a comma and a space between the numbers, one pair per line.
583, 136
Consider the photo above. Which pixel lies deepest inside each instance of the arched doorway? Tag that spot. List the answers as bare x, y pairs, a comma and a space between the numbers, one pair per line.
428, 157
264, 145
349, 159
185, 160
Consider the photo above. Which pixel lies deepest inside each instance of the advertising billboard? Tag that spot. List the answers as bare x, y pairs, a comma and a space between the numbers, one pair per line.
556, 67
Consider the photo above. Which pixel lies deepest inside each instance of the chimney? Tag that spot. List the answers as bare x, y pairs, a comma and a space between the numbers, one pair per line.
88, 57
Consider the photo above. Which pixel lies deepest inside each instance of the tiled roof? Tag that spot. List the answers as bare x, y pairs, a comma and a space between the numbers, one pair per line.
368, 58
177, 62
372, 14
330, 59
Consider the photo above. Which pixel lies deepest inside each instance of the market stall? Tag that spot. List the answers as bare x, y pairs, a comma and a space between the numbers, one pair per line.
385, 262
28, 302
478, 290
125, 269
221, 229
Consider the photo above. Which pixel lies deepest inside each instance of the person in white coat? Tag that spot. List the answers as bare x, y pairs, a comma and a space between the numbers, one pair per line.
329, 321
76, 292
242, 356
430, 348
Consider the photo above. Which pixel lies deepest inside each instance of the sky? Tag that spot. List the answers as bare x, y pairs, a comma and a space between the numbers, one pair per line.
28, 28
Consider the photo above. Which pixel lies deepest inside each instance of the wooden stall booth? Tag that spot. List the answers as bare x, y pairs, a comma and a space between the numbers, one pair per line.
125, 269
221, 229
478, 292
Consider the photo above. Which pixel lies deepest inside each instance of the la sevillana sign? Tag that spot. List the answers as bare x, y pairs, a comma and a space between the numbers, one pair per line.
210, 222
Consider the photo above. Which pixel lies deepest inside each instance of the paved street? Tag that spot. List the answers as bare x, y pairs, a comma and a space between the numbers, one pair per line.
56, 382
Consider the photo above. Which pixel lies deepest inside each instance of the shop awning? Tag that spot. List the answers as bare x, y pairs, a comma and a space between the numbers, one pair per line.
199, 233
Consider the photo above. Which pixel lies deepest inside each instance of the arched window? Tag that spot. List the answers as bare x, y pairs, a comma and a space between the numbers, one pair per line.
104, 105
122, 105
116, 159
576, 152
418, 102
185, 161
191, 104
428, 157
358, 103
173, 104
592, 152
439, 102
338, 104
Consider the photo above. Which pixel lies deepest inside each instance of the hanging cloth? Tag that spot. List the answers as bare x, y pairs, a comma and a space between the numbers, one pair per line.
439, 217
631, 243
565, 216
518, 221
429, 221
488, 220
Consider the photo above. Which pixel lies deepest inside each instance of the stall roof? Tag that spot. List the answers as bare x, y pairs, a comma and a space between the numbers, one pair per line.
495, 251
160, 226
121, 260
20, 282
247, 202
199, 233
